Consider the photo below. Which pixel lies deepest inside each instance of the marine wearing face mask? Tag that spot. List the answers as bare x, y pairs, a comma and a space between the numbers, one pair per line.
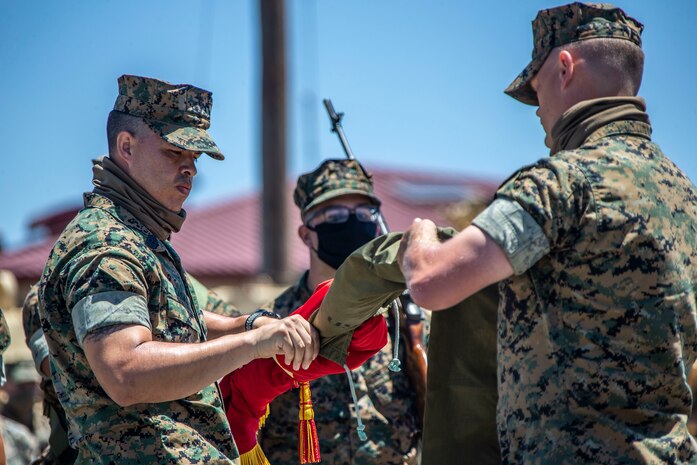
339, 212
342, 229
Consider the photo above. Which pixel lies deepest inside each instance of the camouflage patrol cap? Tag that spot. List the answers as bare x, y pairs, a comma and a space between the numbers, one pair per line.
179, 113
333, 178
571, 23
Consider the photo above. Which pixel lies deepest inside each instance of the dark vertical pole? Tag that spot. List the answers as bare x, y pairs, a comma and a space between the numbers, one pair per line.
273, 121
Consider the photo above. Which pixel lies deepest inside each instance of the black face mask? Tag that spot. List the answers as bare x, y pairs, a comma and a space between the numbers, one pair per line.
338, 240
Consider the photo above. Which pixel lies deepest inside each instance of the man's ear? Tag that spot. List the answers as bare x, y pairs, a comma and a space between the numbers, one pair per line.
124, 147
304, 235
566, 68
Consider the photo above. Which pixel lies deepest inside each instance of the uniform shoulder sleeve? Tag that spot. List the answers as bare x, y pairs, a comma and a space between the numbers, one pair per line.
33, 333
105, 269
516, 233
556, 194
31, 321
106, 283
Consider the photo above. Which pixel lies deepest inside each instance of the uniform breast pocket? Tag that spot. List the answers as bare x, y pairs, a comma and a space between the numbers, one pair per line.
177, 323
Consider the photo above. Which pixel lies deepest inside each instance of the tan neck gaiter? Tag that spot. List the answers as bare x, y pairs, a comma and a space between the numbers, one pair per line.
584, 118
115, 184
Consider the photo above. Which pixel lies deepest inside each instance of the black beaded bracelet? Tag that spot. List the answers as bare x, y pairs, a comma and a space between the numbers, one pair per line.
248, 324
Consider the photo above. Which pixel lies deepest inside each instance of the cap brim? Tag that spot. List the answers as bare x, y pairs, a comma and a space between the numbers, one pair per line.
187, 138
338, 193
520, 89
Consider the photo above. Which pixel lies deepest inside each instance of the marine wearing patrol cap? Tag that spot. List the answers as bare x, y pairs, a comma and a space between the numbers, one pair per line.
179, 113
333, 178
562, 25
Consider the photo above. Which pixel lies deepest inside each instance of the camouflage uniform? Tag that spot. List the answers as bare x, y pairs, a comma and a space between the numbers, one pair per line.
105, 250
386, 401
108, 268
597, 326
4, 344
595, 337
21, 447
58, 450
210, 301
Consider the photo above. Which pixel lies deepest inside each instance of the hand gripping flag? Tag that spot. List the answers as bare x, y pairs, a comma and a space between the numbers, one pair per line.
248, 390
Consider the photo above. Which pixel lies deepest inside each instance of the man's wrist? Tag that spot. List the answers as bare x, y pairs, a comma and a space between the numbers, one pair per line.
249, 323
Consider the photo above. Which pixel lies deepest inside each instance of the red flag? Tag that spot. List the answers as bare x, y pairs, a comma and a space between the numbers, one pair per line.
248, 391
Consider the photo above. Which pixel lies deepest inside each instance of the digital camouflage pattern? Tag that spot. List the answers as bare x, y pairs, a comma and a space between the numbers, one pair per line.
4, 344
58, 450
571, 23
387, 408
31, 320
179, 113
21, 447
106, 249
210, 301
333, 178
4, 333
596, 338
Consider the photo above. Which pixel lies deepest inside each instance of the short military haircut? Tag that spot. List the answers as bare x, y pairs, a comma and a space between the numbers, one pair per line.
119, 122
620, 62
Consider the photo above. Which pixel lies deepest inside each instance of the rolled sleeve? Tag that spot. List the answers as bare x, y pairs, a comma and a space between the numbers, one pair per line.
515, 231
107, 309
38, 347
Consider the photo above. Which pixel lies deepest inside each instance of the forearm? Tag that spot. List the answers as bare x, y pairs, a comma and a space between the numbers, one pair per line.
219, 325
132, 368
163, 371
441, 274
154, 371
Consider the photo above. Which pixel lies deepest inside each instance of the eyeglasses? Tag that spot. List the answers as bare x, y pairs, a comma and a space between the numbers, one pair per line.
336, 214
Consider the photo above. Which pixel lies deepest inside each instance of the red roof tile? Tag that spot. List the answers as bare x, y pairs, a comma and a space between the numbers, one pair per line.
28, 262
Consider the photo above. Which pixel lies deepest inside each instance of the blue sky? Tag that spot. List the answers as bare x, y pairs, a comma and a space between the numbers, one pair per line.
420, 82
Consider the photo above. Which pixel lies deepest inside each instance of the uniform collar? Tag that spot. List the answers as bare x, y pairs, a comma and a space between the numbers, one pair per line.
122, 215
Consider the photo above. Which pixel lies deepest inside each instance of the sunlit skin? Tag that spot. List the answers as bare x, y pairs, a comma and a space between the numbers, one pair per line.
552, 83
441, 274
134, 368
164, 170
320, 271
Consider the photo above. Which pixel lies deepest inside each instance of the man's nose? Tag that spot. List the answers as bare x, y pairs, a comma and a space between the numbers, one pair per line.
189, 166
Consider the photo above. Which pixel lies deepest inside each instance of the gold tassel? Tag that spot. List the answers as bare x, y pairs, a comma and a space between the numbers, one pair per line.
262, 420
308, 445
254, 457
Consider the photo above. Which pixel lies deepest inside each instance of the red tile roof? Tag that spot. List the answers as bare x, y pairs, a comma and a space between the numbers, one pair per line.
224, 239
27, 262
